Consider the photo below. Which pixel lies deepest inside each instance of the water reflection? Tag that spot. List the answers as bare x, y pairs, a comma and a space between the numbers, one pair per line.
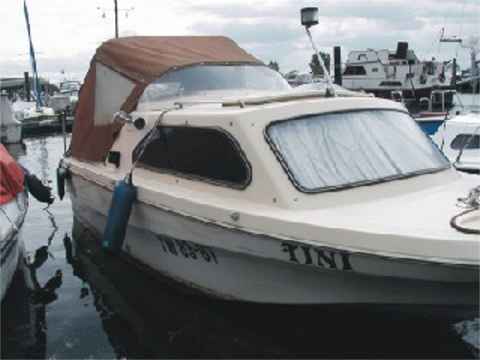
23, 317
72, 300
145, 315
24, 308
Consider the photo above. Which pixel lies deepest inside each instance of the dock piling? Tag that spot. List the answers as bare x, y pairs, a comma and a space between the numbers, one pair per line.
337, 59
27, 87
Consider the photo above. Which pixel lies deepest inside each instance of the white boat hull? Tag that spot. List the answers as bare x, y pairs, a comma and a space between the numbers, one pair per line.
12, 215
10, 127
461, 125
11, 133
232, 264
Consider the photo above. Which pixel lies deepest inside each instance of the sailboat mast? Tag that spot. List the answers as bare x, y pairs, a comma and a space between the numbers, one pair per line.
36, 84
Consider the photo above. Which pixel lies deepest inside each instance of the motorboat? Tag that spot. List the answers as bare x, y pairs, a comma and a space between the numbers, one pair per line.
10, 127
386, 72
295, 78
194, 160
16, 182
430, 119
13, 207
459, 139
28, 111
67, 98
59, 102
38, 119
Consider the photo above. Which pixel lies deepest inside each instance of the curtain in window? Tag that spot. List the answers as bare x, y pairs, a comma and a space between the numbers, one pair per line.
338, 149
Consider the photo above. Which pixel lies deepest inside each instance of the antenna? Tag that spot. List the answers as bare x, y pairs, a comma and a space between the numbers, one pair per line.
452, 39
309, 17
116, 10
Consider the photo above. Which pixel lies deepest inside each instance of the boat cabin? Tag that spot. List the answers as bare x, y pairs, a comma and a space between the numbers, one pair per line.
384, 71
237, 129
459, 139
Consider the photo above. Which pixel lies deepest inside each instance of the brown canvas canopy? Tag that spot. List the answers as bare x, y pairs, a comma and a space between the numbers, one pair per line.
138, 60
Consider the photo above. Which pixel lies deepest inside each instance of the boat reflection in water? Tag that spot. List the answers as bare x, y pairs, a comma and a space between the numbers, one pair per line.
146, 315
24, 309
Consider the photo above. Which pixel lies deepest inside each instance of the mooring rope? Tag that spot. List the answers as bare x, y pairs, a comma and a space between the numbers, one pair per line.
472, 203
150, 137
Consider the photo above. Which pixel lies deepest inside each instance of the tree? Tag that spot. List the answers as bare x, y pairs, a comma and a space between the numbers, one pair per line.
315, 64
274, 66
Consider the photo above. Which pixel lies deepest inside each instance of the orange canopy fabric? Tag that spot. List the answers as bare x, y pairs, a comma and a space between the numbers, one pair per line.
11, 177
142, 59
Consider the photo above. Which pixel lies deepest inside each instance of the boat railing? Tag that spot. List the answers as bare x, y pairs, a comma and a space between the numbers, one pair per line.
261, 100
438, 97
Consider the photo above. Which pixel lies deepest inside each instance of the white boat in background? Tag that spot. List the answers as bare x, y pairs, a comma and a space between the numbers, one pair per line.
385, 73
37, 119
59, 102
67, 98
459, 139
246, 190
10, 127
28, 111
13, 207
294, 78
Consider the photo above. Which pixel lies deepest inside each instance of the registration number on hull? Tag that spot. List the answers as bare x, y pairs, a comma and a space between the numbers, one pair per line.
187, 249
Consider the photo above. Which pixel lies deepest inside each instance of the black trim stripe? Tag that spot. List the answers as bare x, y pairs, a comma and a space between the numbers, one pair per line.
7, 249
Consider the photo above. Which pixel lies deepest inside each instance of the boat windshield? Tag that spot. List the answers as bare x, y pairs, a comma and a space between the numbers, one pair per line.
338, 150
202, 79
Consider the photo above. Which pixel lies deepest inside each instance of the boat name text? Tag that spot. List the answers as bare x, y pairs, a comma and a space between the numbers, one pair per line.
310, 255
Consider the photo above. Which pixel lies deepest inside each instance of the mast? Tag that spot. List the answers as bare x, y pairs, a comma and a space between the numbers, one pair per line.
473, 47
116, 18
36, 84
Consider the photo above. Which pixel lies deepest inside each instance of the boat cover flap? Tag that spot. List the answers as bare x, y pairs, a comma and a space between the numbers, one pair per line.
141, 59
11, 177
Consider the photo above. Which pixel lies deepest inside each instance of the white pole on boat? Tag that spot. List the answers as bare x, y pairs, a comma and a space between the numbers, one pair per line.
309, 17
116, 18
115, 10
64, 130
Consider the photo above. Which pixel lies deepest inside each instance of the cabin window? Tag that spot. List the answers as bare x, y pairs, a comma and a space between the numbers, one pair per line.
355, 70
374, 69
202, 153
204, 80
390, 83
466, 141
338, 150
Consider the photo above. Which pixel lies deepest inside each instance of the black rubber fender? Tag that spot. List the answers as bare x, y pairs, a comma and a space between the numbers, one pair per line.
39, 191
61, 176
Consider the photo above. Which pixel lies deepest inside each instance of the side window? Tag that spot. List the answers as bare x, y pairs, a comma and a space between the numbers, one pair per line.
355, 70
375, 70
205, 153
469, 141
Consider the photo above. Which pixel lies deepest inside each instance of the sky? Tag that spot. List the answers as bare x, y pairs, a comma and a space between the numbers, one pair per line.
66, 33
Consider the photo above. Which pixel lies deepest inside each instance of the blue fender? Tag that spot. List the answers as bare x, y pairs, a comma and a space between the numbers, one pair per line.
124, 195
